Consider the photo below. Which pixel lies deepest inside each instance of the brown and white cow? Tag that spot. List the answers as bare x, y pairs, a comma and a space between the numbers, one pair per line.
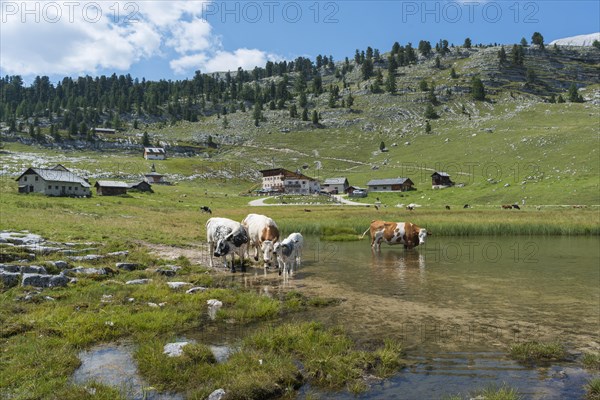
263, 234
406, 233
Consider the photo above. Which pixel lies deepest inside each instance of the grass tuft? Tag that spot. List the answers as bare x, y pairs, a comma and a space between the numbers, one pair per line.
531, 352
593, 389
591, 361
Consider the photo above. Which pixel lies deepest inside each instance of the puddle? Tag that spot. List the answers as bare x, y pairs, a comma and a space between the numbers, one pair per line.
113, 365
441, 375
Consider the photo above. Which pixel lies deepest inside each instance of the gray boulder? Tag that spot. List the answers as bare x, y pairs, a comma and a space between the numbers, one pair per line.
10, 268
217, 394
127, 266
33, 269
60, 264
87, 271
39, 280
9, 279
138, 282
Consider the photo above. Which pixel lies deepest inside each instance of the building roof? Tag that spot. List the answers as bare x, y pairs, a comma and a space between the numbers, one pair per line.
113, 184
154, 150
153, 174
440, 174
134, 184
391, 181
335, 181
56, 175
286, 174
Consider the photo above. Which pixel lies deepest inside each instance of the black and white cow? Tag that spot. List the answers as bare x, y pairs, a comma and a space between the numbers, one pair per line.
224, 237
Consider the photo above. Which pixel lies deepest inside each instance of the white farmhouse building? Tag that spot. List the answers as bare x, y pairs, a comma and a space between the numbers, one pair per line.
288, 182
155, 153
57, 181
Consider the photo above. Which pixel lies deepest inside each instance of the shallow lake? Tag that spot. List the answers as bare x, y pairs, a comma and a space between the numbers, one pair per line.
457, 304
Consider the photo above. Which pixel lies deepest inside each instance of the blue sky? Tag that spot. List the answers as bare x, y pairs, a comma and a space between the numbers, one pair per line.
172, 39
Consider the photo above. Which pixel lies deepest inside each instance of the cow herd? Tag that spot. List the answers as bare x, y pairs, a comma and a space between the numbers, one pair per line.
260, 233
256, 232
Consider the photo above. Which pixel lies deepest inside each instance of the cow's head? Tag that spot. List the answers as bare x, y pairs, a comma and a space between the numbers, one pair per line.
423, 235
268, 249
240, 237
223, 247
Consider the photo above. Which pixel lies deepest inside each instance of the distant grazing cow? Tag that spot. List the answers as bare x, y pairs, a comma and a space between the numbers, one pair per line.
263, 233
205, 209
406, 233
410, 207
289, 253
516, 206
224, 237
466, 206
447, 207
507, 206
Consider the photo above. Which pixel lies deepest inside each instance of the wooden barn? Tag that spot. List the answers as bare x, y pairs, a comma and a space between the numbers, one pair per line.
335, 185
111, 188
141, 186
440, 180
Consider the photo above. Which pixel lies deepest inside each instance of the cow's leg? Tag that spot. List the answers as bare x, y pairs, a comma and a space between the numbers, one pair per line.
211, 251
232, 261
241, 254
256, 249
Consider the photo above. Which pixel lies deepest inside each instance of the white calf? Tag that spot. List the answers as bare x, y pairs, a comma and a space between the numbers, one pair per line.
289, 253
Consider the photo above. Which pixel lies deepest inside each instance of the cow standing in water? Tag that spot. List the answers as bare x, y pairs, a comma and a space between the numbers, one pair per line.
406, 233
226, 237
289, 253
263, 233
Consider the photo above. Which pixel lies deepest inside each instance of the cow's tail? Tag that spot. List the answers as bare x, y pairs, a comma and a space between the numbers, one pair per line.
365, 232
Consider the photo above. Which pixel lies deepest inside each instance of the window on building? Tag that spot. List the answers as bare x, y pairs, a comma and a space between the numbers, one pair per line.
24, 179
69, 187
36, 178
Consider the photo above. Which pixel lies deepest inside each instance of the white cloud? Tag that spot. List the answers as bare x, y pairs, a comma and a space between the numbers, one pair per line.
191, 36
66, 40
222, 61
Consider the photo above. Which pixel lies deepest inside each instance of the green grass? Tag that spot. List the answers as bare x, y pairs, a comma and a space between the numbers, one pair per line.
591, 361
490, 393
532, 352
593, 389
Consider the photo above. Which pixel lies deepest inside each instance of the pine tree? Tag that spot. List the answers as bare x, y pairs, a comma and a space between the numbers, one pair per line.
257, 114
560, 99
376, 88
315, 117
225, 122
305, 114
502, 55
146, 140
453, 74
350, 100
381, 146
537, 39
390, 83
431, 95
467, 43
332, 100
423, 85
477, 89
427, 127
367, 69
574, 96
293, 111
430, 112
302, 100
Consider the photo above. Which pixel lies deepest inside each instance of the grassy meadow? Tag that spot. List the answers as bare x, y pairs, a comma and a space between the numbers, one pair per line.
514, 147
